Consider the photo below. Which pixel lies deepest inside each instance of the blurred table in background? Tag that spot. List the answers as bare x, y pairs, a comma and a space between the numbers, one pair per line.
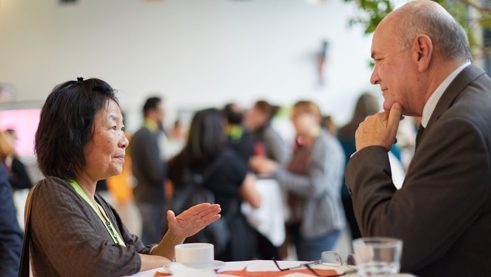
269, 219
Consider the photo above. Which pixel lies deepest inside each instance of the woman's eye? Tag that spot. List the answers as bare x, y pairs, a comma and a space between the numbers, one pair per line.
115, 128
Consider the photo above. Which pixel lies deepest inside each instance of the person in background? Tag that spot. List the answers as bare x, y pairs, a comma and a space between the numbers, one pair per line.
10, 233
121, 191
228, 179
313, 180
442, 213
7, 150
267, 142
328, 123
73, 231
149, 168
176, 139
239, 139
19, 177
179, 131
366, 105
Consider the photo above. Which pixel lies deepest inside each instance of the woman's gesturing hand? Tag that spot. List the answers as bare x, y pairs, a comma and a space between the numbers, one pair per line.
193, 220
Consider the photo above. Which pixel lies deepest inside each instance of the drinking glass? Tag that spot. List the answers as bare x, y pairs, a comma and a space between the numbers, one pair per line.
377, 256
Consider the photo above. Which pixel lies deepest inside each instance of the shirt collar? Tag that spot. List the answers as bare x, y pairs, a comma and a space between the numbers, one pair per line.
150, 125
438, 93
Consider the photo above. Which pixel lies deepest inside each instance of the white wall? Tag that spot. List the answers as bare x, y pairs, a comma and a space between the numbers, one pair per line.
195, 52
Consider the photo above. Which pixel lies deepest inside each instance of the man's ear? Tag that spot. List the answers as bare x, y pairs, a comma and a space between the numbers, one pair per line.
422, 52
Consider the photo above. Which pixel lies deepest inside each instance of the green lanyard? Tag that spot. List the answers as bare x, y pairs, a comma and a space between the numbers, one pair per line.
102, 215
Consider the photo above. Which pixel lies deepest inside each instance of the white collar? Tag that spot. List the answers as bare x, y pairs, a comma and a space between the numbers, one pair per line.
438, 93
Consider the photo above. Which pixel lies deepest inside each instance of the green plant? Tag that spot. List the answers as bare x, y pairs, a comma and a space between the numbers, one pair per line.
473, 15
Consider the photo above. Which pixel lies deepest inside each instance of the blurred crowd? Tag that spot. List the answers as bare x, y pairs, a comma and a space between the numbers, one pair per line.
236, 147
227, 174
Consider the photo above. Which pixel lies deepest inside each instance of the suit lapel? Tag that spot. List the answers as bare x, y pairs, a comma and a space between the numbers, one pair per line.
463, 79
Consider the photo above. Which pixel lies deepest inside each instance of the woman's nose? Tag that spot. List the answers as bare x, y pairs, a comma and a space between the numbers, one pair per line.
123, 143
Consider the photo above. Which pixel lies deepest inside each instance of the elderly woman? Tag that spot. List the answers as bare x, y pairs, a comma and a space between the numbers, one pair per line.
74, 232
312, 179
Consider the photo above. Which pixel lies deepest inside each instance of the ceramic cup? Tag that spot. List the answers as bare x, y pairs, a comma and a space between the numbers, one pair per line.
194, 254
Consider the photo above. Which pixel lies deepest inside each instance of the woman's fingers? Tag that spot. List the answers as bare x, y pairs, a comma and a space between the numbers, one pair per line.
205, 211
171, 216
208, 219
200, 208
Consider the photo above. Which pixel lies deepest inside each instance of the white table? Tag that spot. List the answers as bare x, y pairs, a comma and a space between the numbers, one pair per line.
255, 265
269, 219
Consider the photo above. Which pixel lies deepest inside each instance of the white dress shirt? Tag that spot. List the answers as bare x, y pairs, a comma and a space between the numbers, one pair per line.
437, 94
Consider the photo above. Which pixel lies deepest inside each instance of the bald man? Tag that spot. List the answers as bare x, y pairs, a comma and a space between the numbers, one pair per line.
443, 211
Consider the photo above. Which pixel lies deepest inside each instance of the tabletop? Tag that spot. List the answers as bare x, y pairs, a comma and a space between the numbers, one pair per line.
250, 266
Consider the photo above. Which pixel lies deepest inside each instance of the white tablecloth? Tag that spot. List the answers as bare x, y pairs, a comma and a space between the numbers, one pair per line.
269, 219
255, 265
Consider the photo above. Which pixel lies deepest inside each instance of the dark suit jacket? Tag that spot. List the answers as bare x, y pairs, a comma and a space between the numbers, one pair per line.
443, 211
148, 167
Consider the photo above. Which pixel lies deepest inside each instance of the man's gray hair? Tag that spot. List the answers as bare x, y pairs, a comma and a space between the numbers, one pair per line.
448, 37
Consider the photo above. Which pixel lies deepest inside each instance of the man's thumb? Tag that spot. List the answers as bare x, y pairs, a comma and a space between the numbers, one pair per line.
394, 118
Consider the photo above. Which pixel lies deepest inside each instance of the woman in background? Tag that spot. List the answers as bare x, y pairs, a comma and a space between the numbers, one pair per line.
18, 176
227, 178
312, 179
74, 232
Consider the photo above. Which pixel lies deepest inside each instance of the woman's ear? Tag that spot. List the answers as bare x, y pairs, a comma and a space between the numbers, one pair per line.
422, 52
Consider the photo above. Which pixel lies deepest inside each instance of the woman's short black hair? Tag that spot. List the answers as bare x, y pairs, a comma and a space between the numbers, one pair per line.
66, 125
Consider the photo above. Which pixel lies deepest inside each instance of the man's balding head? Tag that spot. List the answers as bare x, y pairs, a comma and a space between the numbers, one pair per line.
431, 19
414, 49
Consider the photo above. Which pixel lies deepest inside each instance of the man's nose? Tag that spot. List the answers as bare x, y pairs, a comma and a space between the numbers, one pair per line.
374, 78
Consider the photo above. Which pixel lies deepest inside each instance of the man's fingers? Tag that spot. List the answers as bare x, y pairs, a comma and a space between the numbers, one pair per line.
394, 118
379, 129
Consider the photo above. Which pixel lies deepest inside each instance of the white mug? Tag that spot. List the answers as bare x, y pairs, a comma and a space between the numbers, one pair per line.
195, 254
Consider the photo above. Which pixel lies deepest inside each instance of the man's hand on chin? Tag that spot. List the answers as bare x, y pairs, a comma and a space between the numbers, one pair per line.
379, 129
